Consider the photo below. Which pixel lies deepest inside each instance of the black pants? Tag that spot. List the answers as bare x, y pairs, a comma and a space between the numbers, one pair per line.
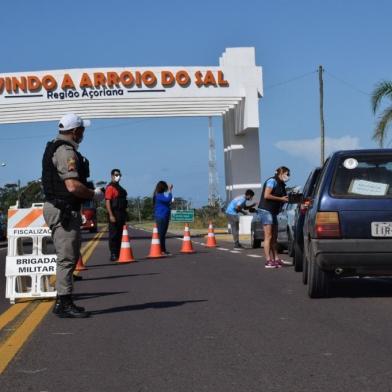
115, 236
163, 225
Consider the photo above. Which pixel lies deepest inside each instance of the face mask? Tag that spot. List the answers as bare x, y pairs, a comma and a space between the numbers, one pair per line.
117, 178
77, 136
285, 177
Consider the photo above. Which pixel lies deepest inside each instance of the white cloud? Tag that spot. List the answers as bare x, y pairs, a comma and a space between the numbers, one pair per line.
309, 149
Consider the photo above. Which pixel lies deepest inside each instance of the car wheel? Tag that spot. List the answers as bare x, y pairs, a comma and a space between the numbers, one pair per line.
304, 270
298, 258
290, 244
254, 242
279, 248
319, 281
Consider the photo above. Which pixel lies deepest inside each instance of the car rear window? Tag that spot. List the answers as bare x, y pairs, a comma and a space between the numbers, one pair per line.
363, 176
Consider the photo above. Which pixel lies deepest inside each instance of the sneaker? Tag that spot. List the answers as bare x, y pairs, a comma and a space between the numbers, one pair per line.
283, 262
277, 263
113, 257
271, 264
238, 246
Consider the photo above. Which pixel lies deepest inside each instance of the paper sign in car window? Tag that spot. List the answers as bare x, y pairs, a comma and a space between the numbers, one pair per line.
368, 188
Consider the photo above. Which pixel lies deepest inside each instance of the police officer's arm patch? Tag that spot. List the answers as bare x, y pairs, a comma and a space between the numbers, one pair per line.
71, 164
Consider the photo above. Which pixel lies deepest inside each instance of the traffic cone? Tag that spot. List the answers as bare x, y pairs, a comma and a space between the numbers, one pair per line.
211, 241
80, 265
186, 242
126, 255
155, 250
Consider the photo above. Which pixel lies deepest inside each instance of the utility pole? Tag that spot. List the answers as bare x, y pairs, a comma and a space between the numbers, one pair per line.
213, 192
322, 131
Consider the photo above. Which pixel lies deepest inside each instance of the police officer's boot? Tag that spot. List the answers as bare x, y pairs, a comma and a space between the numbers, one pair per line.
65, 308
58, 305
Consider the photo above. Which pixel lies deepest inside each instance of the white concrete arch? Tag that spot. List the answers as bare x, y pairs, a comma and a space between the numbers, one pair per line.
230, 90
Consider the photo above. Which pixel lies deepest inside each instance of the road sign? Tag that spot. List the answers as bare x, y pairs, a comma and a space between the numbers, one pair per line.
183, 215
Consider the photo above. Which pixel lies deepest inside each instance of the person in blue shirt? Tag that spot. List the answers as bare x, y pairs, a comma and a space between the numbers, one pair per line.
238, 206
162, 200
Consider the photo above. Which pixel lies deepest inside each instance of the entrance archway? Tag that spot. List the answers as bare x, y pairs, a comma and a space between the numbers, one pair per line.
230, 90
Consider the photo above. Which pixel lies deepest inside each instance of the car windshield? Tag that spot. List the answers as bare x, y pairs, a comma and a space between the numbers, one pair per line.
363, 176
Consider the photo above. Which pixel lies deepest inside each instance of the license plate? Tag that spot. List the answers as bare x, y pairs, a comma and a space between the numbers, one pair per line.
382, 229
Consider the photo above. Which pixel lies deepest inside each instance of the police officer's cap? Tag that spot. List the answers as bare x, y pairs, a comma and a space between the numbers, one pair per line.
71, 121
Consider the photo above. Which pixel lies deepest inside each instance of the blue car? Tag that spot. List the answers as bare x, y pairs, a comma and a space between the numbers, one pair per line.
348, 227
299, 218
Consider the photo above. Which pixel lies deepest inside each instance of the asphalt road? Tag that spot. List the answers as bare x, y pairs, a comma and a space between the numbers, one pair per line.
4, 302
212, 321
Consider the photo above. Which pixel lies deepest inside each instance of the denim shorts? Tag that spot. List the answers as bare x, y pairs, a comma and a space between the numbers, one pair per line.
267, 218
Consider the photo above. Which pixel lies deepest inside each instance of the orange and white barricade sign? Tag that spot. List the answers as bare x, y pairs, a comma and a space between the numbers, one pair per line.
31, 258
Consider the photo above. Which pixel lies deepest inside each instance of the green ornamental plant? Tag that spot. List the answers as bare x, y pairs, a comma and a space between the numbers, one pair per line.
382, 91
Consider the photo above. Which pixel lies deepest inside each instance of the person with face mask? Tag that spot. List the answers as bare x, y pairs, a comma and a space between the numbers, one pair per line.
236, 207
273, 196
116, 206
64, 180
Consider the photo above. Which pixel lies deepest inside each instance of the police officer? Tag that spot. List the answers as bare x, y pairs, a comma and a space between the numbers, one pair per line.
116, 205
64, 179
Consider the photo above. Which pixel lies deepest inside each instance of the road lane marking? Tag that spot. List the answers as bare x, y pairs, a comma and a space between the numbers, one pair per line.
89, 249
224, 249
12, 313
258, 256
15, 342
88, 252
235, 251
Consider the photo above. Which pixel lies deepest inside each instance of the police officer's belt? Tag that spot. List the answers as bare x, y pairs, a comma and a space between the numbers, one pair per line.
64, 205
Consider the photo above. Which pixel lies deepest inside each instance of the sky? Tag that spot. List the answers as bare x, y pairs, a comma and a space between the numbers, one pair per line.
350, 39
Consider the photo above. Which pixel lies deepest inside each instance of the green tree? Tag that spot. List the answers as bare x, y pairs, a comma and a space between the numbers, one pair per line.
147, 208
180, 203
8, 196
383, 90
31, 193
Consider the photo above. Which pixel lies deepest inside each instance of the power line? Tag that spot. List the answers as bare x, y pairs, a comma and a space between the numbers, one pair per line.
341, 80
290, 80
94, 130
347, 83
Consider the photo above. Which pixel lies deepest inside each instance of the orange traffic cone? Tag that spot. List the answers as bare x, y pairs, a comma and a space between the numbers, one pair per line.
126, 255
211, 241
155, 250
80, 265
186, 242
